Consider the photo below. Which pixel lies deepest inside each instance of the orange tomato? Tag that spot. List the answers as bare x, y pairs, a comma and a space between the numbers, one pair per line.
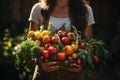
68, 50
31, 34
46, 39
74, 56
71, 35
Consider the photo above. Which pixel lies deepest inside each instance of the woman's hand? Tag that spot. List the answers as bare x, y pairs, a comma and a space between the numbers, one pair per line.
75, 68
49, 66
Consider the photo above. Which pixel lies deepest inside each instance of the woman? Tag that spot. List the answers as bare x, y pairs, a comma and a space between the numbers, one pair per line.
57, 12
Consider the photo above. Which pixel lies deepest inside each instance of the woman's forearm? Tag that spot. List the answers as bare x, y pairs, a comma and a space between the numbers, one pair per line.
33, 26
89, 31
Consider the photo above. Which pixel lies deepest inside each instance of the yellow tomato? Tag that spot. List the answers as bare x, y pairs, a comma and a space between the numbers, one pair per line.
45, 32
37, 35
74, 46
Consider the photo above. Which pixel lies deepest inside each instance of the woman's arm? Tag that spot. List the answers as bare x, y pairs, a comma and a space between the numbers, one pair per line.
89, 31
33, 26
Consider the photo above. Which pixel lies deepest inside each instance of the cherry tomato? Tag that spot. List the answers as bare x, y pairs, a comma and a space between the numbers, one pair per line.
79, 50
45, 32
46, 38
71, 35
68, 50
74, 56
96, 59
90, 48
62, 33
45, 54
39, 43
82, 45
75, 47
52, 50
79, 62
61, 56
47, 45
37, 35
31, 35
54, 39
65, 40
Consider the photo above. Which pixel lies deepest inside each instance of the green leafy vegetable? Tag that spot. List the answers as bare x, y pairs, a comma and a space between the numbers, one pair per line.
27, 50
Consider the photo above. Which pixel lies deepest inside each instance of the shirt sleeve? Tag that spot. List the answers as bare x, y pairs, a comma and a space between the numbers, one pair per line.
90, 18
35, 14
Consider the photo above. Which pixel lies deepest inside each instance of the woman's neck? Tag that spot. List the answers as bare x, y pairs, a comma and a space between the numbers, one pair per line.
62, 3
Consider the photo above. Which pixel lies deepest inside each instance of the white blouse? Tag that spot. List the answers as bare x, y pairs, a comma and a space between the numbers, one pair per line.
36, 17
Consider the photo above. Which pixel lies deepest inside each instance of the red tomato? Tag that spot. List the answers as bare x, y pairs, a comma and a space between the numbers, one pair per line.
96, 59
79, 62
82, 45
45, 54
47, 45
39, 43
90, 48
79, 50
65, 40
62, 33
52, 50
54, 39
61, 56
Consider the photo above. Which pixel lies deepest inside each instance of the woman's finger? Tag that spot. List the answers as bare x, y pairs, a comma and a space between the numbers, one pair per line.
53, 68
76, 65
50, 66
51, 63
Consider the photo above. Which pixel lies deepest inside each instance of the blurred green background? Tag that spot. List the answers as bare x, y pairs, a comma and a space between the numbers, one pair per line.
14, 26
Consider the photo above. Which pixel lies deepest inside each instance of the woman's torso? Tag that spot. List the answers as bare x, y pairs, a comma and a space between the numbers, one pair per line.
59, 16
58, 22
